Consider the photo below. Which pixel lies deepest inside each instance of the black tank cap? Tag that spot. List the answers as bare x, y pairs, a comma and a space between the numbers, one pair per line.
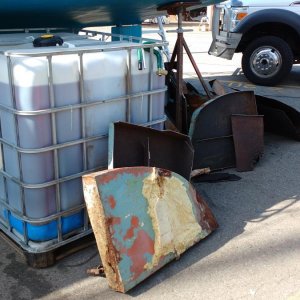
48, 40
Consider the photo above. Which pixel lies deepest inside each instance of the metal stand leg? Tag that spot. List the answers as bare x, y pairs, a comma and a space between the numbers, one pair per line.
178, 65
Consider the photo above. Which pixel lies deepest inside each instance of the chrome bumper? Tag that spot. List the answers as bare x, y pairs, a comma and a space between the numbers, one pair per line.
224, 43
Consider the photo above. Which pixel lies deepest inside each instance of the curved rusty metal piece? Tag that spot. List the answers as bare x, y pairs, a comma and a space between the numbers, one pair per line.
211, 131
142, 219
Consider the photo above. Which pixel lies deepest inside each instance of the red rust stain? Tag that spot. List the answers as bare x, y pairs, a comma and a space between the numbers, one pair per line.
112, 247
164, 173
138, 171
119, 247
130, 232
112, 202
207, 219
110, 175
142, 245
204, 216
111, 222
107, 176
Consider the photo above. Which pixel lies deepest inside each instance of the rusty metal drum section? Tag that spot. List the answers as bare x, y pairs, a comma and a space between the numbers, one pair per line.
132, 146
211, 131
143, 218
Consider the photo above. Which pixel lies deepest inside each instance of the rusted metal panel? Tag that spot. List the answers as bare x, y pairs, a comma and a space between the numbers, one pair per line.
132, 145
248, 136
279, 118
211, 130
216, 153
142, 219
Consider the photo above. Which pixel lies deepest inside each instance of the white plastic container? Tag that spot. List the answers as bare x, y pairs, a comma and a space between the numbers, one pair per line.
31, 185
140, 83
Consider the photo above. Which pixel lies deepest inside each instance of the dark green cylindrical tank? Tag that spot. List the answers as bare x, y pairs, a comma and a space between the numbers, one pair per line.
79, 13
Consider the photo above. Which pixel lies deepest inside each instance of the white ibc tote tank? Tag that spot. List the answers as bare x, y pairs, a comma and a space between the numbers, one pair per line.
39, 166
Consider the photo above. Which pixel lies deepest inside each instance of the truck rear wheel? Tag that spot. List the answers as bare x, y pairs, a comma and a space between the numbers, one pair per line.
267, 60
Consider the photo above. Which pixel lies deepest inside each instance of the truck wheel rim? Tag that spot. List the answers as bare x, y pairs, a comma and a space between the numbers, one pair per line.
266, 62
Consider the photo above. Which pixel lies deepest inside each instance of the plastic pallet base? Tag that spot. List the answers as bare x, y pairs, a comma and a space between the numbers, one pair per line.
48, 259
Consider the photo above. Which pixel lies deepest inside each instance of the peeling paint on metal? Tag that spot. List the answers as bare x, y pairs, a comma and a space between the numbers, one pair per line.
173, 219
105, 246
134, 225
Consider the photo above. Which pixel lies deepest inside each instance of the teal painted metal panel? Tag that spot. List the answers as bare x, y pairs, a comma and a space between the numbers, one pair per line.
78, 14
142, 219
131, 30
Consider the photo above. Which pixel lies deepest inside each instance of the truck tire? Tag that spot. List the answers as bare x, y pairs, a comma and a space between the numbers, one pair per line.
267, 60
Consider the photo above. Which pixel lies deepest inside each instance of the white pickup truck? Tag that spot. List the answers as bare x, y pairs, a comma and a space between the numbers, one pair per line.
267, 32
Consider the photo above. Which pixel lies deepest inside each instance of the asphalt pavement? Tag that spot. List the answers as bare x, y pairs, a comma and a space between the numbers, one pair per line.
255, 253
